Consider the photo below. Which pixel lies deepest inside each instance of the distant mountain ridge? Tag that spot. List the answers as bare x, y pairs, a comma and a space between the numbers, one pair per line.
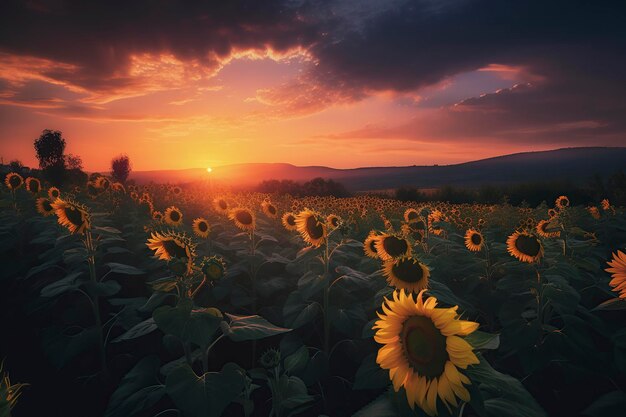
573, 164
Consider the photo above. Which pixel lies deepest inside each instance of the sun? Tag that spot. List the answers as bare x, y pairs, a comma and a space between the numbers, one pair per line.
209, 170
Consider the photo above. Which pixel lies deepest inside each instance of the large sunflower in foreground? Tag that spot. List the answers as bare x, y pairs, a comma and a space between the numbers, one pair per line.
406, 273
474, 240
44, 206
525, 247
201, 227
369, 246
13, 181
173, 216
243, 218
169, 245
390, 246
289, 221
618, 273
312, 227
423, 351
72, 215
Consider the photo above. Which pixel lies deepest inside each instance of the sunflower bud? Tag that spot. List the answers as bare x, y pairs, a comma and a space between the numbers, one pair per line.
213, 268
270, 359
178, 266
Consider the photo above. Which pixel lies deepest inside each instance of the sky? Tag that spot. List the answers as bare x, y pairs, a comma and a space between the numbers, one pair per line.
350, 83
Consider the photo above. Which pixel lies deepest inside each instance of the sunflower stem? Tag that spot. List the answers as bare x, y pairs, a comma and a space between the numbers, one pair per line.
91, 261
326, 301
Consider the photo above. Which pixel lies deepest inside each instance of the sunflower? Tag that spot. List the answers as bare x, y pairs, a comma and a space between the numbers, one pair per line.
369, 246
118, 187
72, 215
411, 215
44, 206
243, 218
169, 245
157, 215
33, 185
311, 227
525, 247
201, 227
594, 211
146, 206
53, 193
406, 273
213, 268
333, 221
221, 206
605, 204
173, 216
435, 217
269, 209
545, 230
103, 183
390, 246
618, 273
562, 202
13, 181
289, 221
474, 240
409, 230
423, 351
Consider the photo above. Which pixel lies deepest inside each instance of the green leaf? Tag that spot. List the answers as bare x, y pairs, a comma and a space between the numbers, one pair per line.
124, 269
504, 396
254, 327
612, 304
370, 375
610, 404
138, 390
145, 327
297, 360
69, 283
197, 327
102, 289
62, 348
483, 340
382, 406
207, 395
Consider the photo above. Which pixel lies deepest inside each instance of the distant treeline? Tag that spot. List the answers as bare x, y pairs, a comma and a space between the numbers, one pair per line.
531, 193
317, 186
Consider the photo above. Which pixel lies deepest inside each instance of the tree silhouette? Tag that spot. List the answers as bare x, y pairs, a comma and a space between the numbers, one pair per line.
50, 147
120, 168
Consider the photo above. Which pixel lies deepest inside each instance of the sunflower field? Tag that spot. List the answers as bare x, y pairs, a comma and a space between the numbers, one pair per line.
160, 301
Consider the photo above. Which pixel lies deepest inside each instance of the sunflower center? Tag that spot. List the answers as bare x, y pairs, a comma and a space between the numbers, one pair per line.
47, 206
408, 271
372, 246
55, 193
476, 239
203, 227
394, 246
244, 217
424, 346
74, 216
222, 204
271, 209
174, 250
412, 216
15, 181
527, 245
174, 216
314, 228
34, 186
291, 220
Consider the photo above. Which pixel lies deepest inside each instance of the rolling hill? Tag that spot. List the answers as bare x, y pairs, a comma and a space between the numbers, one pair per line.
571, 164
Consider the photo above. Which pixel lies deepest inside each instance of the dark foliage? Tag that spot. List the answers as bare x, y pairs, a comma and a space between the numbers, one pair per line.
120, 168
317, 186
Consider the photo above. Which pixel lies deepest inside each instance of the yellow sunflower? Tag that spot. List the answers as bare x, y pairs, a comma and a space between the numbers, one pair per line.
289, 221
243, 218
72, 215
201, 227
408, 230
333, 221
103, 183
53, 193
173, 216
411, 215
406, 273
390, 246
118, 187
525, 247
369, 246
546, 229
311, 226
220, 205
13, 181
618, 273
269, 209
605, 204
157, 215
474, 240
435, 217
594, 211
562, 202
423, 351
169, 245
44, 206
33, 185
